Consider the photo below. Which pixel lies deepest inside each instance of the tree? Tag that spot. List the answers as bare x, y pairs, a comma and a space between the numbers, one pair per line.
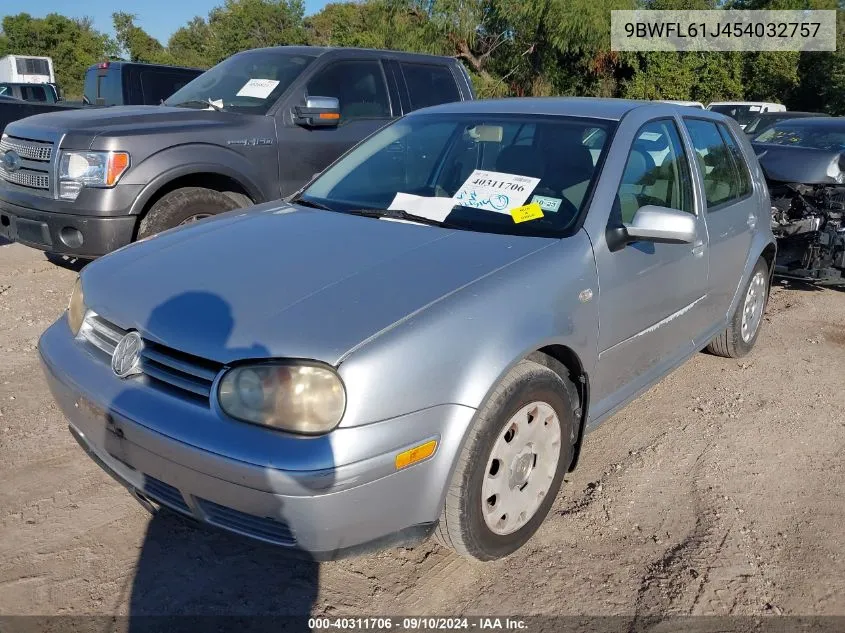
73, 44
138, 44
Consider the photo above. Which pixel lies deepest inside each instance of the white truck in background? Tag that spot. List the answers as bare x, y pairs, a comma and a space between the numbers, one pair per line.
27, 69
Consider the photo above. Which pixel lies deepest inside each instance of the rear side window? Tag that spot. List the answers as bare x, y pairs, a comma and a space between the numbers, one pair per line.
743, 178
34, 93
157, 85
723, 182
429, 84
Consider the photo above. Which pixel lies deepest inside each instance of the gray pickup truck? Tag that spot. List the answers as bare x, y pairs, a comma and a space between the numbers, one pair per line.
254, 128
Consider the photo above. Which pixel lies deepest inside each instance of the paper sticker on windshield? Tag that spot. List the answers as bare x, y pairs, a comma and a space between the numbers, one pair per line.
528, 212
495, 191
547, 204
258, 88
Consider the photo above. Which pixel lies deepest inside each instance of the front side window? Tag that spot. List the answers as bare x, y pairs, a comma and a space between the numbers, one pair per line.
357, 85
721, 178
538, 160
656, 172
249, 82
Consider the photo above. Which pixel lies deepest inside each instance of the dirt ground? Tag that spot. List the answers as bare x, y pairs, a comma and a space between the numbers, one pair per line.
720, 491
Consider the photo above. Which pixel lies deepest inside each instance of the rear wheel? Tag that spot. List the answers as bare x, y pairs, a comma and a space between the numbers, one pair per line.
184, 206
739, 337
512, 465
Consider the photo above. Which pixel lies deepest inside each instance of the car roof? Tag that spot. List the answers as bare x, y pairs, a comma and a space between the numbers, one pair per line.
592, 107
794, 114
318, 51
760, 103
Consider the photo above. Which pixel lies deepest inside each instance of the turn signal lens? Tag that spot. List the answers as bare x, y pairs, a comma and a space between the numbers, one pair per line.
118, 163
416, 454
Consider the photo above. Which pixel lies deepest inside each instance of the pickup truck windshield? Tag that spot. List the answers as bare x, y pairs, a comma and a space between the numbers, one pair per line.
471, 172
248, 82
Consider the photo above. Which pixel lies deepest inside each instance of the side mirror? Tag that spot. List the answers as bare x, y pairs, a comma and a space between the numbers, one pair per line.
654, 224
318, 112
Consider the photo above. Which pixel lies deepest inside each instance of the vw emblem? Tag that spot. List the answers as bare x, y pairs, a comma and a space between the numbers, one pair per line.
11, 161
126, 359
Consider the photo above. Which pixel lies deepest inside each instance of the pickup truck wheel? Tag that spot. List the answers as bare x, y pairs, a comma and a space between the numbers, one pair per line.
511, 466
183, 206
741, 334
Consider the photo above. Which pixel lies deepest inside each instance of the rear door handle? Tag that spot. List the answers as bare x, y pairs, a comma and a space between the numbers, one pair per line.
698, 248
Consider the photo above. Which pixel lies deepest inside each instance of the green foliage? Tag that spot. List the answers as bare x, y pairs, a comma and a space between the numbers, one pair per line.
72, 43
509, 47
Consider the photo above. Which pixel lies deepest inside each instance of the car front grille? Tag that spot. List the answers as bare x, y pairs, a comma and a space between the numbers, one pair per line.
36, 163
162, 366
26, 178
32, 150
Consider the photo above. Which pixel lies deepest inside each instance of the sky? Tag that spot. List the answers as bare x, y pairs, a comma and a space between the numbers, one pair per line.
159, 18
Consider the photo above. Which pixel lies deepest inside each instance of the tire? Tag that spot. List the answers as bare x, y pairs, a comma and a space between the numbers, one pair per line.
463, 526
180, 205
733, 342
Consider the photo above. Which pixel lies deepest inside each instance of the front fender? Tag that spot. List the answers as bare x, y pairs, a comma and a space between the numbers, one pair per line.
457, 350
163, 167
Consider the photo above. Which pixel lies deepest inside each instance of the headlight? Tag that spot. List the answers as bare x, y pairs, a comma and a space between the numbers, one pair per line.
293, 397
76, 308
89, 169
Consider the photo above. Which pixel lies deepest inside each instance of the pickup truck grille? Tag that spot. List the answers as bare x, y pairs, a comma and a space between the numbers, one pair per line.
26, 178
163, 367
35, 165
33, 150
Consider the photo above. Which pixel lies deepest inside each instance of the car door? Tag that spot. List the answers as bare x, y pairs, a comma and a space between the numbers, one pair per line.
730, 209
360, 86
649, 292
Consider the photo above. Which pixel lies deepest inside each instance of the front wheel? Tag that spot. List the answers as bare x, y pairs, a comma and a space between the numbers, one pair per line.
183, 206
512, 465
741, 334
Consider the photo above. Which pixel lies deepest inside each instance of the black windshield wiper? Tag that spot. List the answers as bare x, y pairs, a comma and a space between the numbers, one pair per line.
208, 103
310, 203
395, 214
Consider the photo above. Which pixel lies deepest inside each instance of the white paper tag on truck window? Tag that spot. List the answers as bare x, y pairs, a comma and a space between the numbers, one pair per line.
495, 191
431, 208
259, 88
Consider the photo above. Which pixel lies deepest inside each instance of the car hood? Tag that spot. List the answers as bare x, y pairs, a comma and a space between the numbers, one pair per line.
288, 282
806, 165
90, 127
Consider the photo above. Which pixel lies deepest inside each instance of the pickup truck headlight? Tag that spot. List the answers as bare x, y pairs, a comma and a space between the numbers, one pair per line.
76, 308
296, 397
89, 169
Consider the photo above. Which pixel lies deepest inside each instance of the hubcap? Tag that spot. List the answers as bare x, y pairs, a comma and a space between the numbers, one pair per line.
521, 468
752, 310
195, 218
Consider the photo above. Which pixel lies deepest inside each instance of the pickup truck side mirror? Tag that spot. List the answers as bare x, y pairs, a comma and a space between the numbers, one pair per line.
654, 224
318, 112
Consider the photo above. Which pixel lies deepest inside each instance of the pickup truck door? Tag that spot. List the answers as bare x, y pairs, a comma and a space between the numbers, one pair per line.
366, 104
650, 293
730, 208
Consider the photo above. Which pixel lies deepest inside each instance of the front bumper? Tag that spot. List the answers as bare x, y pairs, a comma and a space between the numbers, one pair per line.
349, 502
63, 234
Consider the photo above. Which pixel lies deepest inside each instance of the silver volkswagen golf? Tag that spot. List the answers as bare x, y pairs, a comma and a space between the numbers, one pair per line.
419, 340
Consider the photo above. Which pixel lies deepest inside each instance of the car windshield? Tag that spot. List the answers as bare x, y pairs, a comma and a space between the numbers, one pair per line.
758, 124
473, 172
248, 82
741, 113
802, 135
